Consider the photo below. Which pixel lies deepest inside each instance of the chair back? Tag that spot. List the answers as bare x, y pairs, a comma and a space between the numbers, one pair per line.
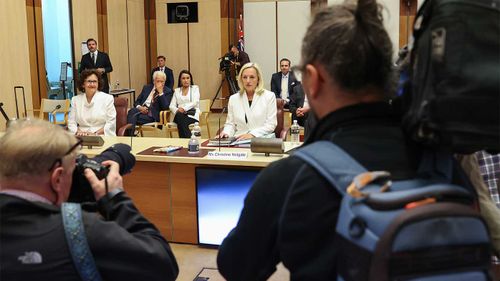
205, 112
48, 107
121, 106
280, 105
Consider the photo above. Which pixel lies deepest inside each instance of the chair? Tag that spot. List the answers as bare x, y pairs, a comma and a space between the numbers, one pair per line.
155, 126
281, 130
121, 107
48, 108
205, 112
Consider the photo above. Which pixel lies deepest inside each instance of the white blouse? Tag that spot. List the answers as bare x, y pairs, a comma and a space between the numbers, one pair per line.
90, 117
260, 118
191, 100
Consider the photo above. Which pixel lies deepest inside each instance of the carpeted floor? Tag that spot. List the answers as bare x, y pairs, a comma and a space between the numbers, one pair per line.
195, 261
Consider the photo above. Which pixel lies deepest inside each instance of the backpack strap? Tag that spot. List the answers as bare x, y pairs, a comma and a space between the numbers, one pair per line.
332, 162
77, 242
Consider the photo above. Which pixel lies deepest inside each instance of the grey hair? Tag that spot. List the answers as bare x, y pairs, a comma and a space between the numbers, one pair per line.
30, 147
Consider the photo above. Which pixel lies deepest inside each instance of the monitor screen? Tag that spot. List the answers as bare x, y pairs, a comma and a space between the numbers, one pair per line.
220, 194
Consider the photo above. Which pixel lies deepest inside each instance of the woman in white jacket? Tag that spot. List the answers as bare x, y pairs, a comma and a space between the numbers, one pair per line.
92, 111
185, 104
252, 111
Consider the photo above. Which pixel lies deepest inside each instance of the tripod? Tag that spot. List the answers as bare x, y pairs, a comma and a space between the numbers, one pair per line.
233, 88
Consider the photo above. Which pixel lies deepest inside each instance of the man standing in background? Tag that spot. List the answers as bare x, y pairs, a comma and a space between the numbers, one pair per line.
168, 72
282, 82
95, 59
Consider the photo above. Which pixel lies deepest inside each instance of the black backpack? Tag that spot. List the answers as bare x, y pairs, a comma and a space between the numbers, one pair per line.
420, 229
455, 75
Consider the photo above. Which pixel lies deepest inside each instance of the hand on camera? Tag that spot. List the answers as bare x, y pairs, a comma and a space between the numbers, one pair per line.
99, 186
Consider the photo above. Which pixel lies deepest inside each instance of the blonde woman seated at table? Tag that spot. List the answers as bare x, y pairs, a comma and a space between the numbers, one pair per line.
252, 111
185, 103
92, 111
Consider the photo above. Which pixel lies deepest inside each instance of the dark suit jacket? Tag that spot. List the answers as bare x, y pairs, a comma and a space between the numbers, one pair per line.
37, 228
276, 83
102, 61
170, 76
296, 101
242, 58
160, 103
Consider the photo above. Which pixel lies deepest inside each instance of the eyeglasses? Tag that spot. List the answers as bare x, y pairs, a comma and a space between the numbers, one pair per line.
91, 81
58, 161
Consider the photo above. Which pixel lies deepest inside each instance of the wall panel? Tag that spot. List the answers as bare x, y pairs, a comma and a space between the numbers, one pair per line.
118, 43
14, 54
84, 24
260, 36
293, 20
172, 39
204, 48
137, 43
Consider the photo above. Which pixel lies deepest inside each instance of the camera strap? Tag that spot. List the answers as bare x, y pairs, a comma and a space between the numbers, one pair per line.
77, 242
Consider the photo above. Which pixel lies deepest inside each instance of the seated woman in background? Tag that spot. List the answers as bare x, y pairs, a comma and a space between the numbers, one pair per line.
252, 111
92, 111
185, 103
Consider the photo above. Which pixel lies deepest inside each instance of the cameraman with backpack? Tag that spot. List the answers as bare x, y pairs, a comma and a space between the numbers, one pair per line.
348, 77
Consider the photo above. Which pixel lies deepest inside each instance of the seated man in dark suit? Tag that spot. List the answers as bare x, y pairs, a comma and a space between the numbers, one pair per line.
153, 99
168, 72
282, 82
296, 104
299, 107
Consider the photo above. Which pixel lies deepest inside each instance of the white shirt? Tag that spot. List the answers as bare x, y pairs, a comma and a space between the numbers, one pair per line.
191, 100
284, 86
260, 116
90, 117
95, 56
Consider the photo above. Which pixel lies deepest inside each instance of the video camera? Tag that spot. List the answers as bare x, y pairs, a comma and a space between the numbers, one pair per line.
225, 61
81, 191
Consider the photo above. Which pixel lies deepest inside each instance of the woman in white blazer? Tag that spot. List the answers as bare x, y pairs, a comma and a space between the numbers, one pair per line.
252, 111
185, 104
92, 111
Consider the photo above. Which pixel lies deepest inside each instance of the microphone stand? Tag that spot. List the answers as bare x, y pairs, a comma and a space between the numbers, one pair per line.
220, 116
3, 112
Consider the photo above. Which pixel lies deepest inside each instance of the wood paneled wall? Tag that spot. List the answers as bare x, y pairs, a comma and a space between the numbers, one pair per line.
407, 12
118, 43
193, 46
36, 51
84, 25
14, 55
136, 45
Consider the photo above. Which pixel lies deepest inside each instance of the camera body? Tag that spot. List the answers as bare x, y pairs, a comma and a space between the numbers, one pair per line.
81, 191
225, 63
83, 162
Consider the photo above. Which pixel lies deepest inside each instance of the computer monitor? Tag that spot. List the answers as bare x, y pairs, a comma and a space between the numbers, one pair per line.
220, 194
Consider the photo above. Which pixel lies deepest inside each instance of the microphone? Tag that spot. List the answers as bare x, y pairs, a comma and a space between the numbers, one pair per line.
53, 112
55, 109
3, 112
220, 116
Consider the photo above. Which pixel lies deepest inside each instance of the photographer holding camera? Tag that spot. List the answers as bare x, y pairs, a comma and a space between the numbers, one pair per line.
38, 231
